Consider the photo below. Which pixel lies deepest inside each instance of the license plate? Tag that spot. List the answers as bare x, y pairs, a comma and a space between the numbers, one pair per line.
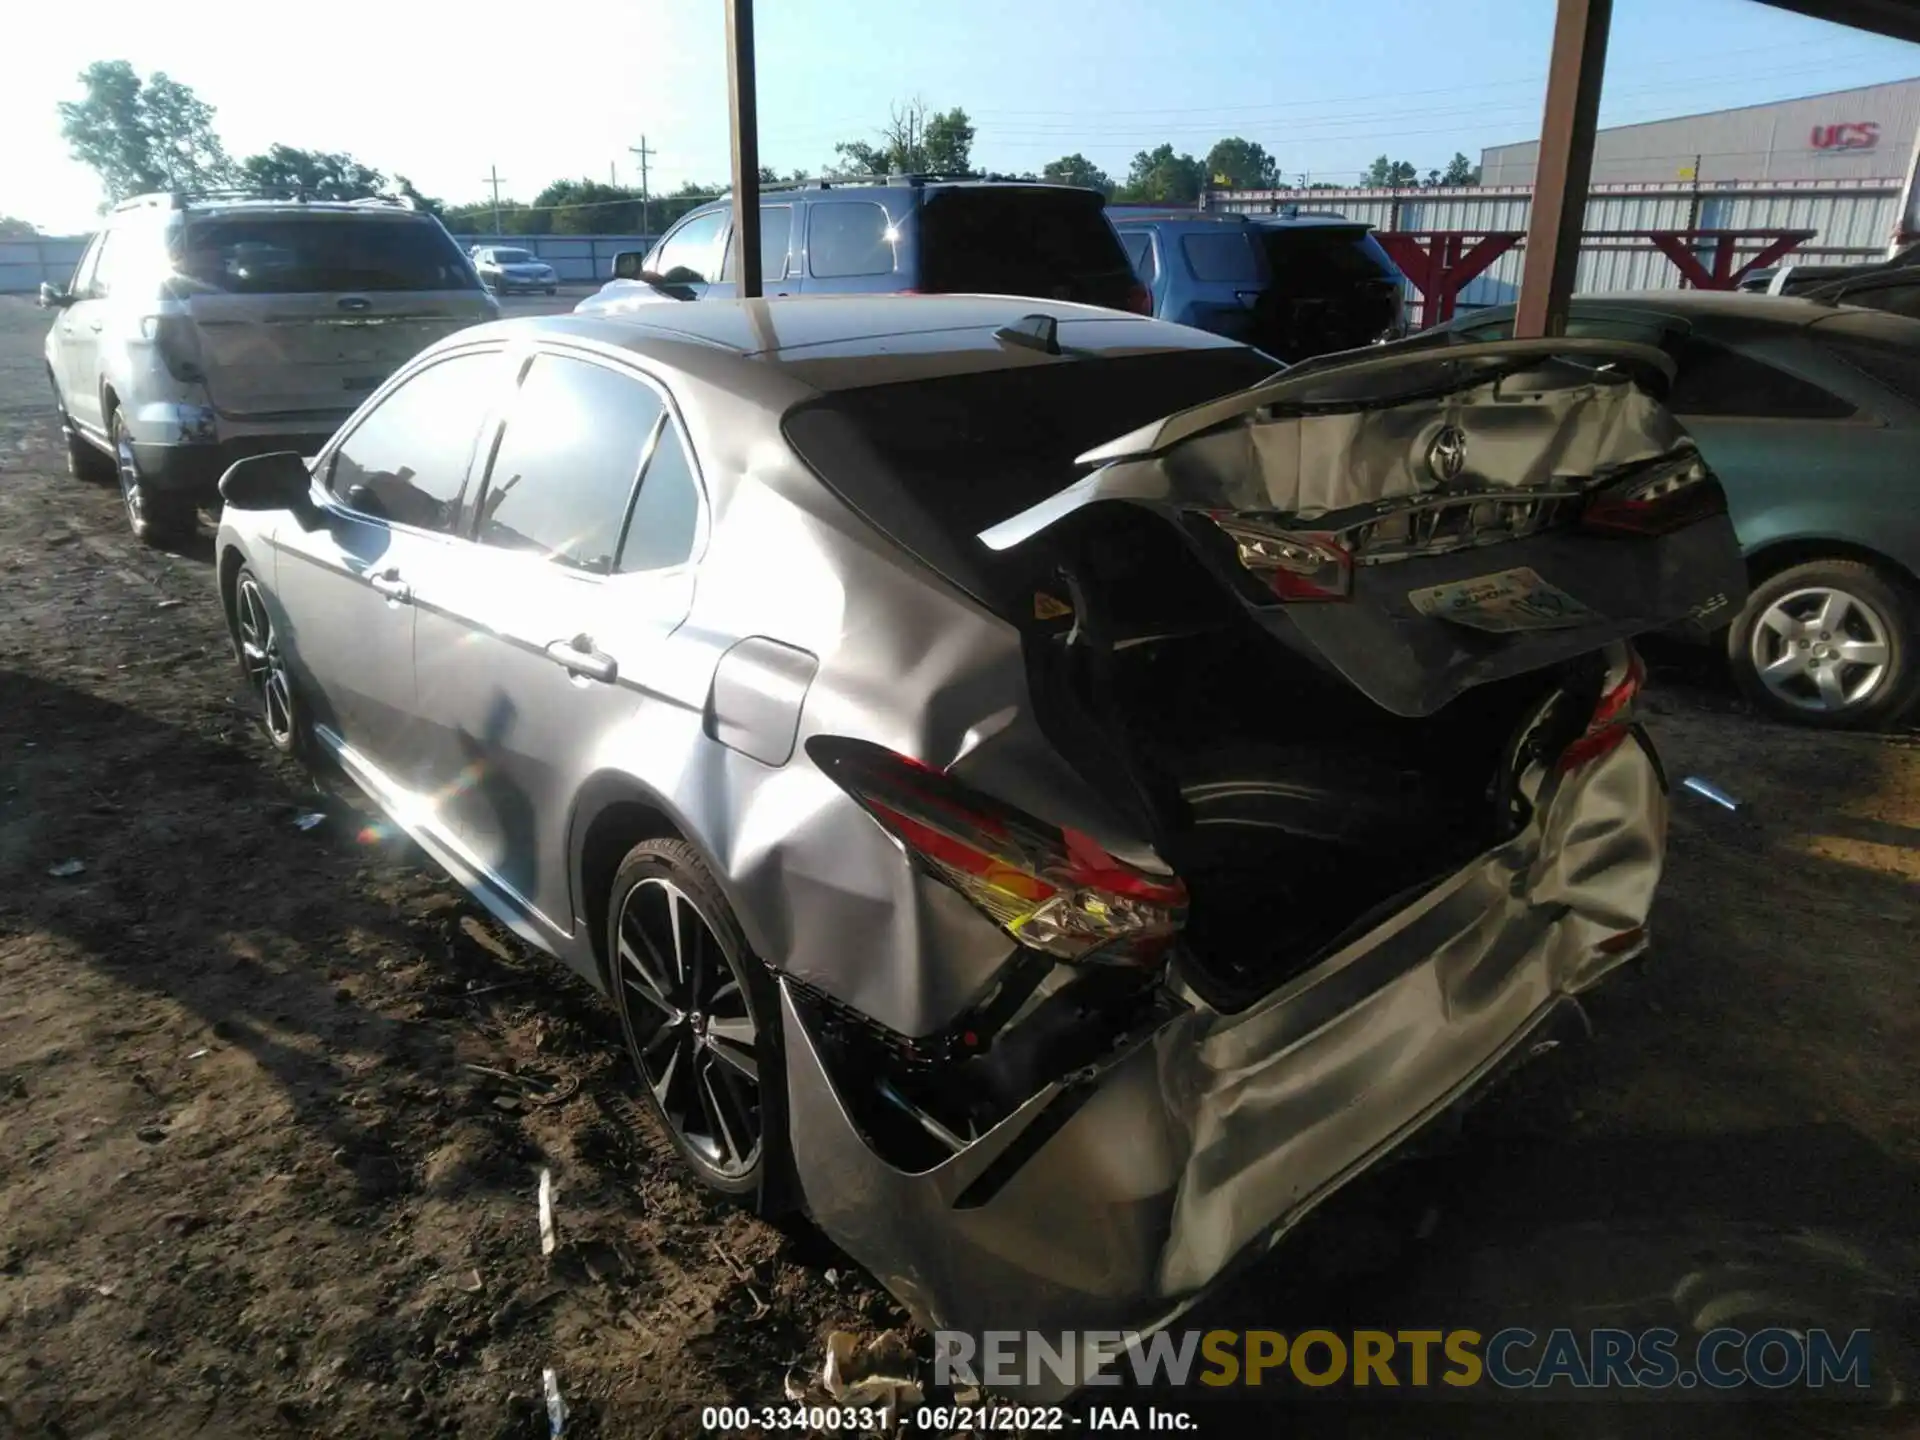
1504, 602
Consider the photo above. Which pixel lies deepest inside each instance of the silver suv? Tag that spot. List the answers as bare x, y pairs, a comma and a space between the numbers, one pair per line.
198, 329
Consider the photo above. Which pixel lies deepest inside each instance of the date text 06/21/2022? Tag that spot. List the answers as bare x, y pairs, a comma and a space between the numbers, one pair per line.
942, 1419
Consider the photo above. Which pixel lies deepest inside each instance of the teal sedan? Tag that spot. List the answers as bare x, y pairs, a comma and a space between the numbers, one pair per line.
1810, 414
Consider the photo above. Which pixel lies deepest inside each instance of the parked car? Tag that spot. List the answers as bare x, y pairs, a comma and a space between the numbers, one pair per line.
1810, 414
1294, 287
912, 234
969, 848
201, 328
1902, 267
505, 269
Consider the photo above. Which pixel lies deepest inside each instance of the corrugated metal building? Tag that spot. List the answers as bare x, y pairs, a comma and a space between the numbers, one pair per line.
1860, 134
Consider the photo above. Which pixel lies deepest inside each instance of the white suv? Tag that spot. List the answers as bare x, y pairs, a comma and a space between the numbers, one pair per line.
201, 329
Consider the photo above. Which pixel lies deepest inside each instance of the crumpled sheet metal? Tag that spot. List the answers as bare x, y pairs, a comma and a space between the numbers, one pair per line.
1223, 1130
1306, 466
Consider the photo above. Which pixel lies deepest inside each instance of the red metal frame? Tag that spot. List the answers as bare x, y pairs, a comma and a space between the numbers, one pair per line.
1679, 245
1442, 269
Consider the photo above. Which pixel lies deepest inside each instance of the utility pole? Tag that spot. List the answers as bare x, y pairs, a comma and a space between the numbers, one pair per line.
493, 179
646, 210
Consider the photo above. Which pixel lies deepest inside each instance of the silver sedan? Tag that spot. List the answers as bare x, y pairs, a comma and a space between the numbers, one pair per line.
1054, 861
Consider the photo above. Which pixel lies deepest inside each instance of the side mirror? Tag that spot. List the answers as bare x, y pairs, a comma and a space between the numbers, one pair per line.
279, 481
626, 265
52, 297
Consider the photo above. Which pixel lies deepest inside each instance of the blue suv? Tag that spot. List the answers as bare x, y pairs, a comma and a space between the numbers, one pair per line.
911, 234
1292, 286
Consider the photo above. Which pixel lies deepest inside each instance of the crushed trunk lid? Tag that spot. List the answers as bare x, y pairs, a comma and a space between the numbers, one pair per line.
1426, 520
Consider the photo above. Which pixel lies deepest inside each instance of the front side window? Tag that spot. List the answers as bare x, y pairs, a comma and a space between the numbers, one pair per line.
847, 238
83, 272
564, 472
100, 281
776, 230
407, 460
686, 256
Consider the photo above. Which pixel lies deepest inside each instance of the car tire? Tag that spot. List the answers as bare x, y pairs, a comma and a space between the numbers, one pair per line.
701, 1023
155, 517
256, 648
84, 461
1828, 643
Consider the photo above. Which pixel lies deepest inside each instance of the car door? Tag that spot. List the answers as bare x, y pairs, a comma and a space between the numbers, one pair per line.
393, 495
776, 276
80, 324
536, 641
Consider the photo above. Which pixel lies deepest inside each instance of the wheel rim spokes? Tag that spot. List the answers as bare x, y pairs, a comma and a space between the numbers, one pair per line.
1821, 649
260, 657
687, 1020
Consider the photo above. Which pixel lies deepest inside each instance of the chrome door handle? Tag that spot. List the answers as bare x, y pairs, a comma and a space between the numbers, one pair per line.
393, 587
577, 656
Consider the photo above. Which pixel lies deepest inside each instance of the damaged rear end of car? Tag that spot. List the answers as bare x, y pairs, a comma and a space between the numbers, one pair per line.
1349, 653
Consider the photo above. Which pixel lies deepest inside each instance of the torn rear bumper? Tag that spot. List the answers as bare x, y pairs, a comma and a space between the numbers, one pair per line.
1112, 1203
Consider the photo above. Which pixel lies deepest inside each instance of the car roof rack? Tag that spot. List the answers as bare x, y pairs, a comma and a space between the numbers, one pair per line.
180, 199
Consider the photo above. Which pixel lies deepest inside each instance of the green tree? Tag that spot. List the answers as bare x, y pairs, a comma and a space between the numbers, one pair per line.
1160, 177
1238, 164
14, 228
589, 207
911, 142
1460, 171
316, 174
140, 135
1076, 169
402, 185
1384, 172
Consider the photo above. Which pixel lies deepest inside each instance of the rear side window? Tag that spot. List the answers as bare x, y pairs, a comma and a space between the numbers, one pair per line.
1140, 251
315, 254
407, 460
846, 238
666, 511
564, 471
1898, 370
1017, 241
1222, 255
1716, 381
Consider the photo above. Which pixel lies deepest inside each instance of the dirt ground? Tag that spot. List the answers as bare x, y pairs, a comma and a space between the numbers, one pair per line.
274, 1097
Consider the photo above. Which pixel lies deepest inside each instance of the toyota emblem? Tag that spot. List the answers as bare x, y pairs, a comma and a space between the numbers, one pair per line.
1447, 456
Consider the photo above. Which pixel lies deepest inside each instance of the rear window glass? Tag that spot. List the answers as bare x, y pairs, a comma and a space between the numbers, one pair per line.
1017, 242
847, 238
1221, 255
934, 462
298, 255
1335, 252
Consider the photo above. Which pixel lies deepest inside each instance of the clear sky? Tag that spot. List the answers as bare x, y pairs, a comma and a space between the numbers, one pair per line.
442, 92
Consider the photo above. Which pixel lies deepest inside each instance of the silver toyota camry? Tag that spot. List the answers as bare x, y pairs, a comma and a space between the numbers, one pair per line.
1052, 795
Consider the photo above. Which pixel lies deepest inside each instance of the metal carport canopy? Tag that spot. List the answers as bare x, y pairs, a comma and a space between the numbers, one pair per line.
1567, 128
1567, 125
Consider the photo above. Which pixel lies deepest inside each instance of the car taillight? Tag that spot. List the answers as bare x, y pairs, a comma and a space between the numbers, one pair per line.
173, 336
1296, 565
1612, 717
1656, 504
1052, 889
1140, 300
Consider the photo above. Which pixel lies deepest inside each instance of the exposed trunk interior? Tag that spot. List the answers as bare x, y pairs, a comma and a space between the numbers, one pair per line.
1293, 807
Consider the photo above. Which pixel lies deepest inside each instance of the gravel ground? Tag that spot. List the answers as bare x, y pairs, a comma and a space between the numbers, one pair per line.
255, 1180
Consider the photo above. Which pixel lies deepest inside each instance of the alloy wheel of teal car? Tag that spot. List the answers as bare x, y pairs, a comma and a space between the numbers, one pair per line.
1827, 643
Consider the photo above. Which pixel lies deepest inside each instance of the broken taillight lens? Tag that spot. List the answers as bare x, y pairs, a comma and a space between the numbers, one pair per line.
1658, 504
1612, 716
1296, 565
1052, 889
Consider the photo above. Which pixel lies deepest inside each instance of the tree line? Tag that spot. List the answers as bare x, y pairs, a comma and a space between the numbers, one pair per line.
142, 135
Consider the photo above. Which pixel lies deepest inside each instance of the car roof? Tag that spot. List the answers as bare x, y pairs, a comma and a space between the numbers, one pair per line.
833, 342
